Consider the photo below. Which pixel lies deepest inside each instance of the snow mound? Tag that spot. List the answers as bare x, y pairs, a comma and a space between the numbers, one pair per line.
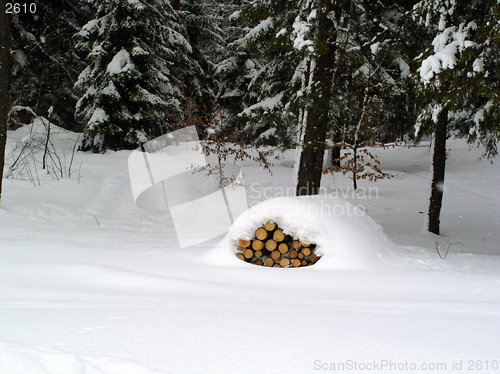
344, 235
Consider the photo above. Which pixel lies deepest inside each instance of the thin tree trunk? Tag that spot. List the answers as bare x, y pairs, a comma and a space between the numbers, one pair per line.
438, 171
4, 84
355, 171
311, 157
357, 135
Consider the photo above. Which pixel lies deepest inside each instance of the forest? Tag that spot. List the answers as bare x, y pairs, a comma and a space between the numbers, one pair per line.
312, 75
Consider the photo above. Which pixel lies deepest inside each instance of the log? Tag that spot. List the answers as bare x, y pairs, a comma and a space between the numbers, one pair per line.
279, 236
245, 243
271, 245
293, 254
300, 256
270, 226
276, 266
269, 261
241, 248
275, 255
304, 263
313, 258
258, 254
283, 248
261, 234
248, 253
284, 262
257, 245
296, 244
240, 256
258, 262
306, 245
296, 263
306, 251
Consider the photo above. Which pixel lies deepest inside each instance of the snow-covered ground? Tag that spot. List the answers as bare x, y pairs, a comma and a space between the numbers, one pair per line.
90, 283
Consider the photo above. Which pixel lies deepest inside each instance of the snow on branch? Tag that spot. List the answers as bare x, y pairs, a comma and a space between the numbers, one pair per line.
121, 63
300, 30
267, 104
447, 45
255, 32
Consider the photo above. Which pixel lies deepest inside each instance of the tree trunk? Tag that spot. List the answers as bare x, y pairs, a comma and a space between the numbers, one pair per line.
438, 170
355, 170
336, 157
311, 157
4, 84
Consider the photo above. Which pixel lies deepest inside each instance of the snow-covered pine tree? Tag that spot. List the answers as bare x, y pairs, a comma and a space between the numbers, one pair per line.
479, 95
457, 81
317, 55
44, 64
204, 35
235, 67
133, 86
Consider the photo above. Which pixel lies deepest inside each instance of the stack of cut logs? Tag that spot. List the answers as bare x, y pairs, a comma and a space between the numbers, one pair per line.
272, 247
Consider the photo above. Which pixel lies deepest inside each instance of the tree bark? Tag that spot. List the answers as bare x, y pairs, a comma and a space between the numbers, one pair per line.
4, 85
438, 171
336, 156
311, 157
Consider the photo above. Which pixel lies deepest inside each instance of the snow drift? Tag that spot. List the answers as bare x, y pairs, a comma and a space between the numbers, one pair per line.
345, 236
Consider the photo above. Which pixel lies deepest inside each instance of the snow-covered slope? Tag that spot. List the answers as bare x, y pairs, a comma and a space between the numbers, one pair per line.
90, 283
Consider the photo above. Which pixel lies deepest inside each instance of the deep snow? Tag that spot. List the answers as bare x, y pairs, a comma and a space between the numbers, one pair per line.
90, 283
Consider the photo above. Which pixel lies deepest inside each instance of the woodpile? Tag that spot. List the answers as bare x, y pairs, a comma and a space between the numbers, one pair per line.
272, 247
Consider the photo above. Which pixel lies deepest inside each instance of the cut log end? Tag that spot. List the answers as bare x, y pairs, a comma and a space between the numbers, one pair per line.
278, 235
275, 255
245, 243
306, 251
270, 226
284, 262
271, 245
257, 245
261, 234
283, 248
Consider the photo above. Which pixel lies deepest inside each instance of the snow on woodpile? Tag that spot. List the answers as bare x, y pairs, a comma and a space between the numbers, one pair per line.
344, 236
